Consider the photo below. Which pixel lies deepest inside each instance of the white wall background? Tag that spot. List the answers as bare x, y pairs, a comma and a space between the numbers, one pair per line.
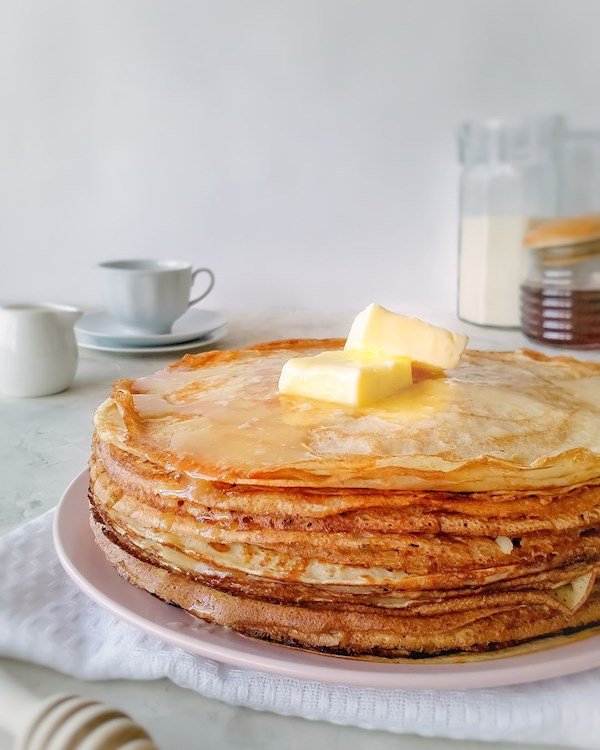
302, 148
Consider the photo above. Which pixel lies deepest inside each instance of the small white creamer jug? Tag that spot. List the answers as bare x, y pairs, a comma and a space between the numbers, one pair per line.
38, 350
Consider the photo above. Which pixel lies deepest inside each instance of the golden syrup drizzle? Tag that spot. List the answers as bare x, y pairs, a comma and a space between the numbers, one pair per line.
235, 419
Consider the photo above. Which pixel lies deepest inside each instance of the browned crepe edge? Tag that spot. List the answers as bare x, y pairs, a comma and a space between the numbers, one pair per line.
177, 588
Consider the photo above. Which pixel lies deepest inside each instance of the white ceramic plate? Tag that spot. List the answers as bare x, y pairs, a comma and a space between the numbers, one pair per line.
89, 569
194, 324
86, 342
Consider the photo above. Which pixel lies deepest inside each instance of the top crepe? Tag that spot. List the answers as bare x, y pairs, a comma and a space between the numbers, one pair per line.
500, 421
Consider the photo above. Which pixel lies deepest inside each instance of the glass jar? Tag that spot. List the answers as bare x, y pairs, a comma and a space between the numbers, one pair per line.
560, 294
509, 181
579, 191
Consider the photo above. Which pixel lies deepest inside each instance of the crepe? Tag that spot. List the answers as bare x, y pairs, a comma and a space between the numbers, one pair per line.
458, 516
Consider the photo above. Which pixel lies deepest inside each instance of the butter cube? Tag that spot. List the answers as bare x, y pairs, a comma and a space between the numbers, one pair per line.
378, 330
345, 377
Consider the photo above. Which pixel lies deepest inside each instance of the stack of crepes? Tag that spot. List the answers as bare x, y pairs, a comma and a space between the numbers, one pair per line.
460, 515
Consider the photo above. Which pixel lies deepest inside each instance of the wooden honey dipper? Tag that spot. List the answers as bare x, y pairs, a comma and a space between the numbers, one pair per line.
66, 722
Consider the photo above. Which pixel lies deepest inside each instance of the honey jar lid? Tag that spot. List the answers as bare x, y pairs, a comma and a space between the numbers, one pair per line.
572, 230
568, 240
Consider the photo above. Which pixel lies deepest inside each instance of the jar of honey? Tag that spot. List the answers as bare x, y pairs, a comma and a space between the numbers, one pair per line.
560, 293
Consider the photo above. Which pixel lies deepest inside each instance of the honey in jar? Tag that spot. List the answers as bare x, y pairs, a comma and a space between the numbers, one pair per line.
560, 294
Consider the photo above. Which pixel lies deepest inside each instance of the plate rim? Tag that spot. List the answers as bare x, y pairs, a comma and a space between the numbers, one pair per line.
562, 660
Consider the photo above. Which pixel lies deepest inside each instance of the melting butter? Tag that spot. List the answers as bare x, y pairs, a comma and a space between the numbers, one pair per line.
376, 362
378, 330
345, 377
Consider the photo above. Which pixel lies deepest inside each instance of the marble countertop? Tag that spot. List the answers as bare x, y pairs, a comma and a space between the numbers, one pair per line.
44, 443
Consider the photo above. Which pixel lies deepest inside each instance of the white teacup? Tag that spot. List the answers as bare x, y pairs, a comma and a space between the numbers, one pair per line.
148, 296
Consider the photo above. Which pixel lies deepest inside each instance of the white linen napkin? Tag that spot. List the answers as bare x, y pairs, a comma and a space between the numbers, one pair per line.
45, 619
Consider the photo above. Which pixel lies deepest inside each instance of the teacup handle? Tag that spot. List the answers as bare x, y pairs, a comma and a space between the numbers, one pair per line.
211, 283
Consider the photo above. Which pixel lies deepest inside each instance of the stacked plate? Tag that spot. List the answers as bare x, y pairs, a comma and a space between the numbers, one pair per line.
195, 329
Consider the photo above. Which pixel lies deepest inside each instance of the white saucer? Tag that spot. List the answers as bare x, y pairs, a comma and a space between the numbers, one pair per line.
192, 325
87, 342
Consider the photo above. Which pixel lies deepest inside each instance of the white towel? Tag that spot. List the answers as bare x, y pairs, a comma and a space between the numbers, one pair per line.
44, 618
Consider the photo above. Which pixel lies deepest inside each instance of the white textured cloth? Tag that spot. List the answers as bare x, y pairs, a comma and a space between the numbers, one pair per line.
45, 619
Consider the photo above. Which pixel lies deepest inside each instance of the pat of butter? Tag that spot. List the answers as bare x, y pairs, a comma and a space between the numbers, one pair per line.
378, 330
345, 377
